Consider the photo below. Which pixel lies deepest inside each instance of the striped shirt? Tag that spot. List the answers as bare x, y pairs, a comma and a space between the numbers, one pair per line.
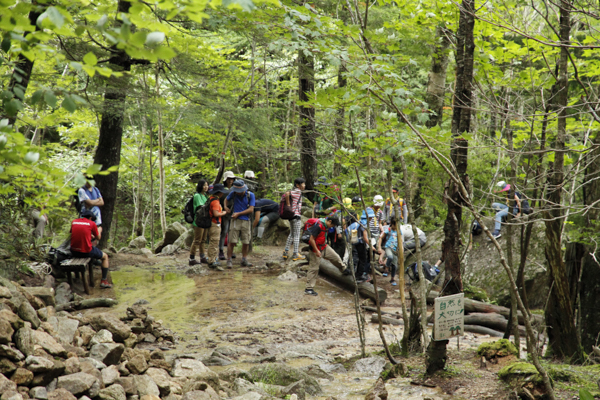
296, 201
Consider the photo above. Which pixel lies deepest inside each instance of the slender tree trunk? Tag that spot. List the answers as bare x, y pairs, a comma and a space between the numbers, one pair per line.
436, 87
308, 153
461, 123
161, 151
560, 319
339, 128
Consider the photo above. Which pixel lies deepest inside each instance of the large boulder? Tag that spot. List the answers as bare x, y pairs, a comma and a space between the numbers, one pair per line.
283, 375
370, 366
119, 329
171, 235
138, 243
187, 367
78, 383
183, 240
108, 353
43, 293
65, 328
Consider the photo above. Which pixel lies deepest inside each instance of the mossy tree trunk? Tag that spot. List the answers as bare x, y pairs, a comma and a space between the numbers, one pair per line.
308, 153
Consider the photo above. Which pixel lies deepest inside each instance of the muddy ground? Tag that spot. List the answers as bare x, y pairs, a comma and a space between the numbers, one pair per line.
252, 314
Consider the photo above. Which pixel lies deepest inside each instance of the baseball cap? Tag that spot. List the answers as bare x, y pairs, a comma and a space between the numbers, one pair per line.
378, 200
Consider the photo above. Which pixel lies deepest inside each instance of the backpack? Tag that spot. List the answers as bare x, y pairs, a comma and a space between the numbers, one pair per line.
525, 207
305, 238
476, 229
188, 211
75, 201
285, 211
202, 218
429, 271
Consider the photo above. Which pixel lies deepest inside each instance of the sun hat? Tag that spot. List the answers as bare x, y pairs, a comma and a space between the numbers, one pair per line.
249, 174
227, 175
239, 186
219, 188
347, 202
501, 184
378, 200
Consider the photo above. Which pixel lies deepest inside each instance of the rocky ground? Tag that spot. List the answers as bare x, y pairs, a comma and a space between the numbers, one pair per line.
187, 333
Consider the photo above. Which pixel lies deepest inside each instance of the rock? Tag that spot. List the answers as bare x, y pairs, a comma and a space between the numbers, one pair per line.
317, 372
168, 250
93, 362
138, 243
11, 317
5, 293
296, 388
281, 374
78, 383
288, 276
167, 366
217, 359
137, 365
85, 333
242, 386
102, 336
43, 293
119, 329
110, 375
10, 353
48, 343
331, 368
161, 378
232, 373
25, 340
108, 353
370, 366
137, 311
22, 377
38, 364
12, 395
72, 365
113, 392
49, 281
7, 367
183, 240
38, 392
149, 397
63, 294
209, 394
44, 378
128, 385
66, 329
378, 391
61, 394
6, 331
248, 396
395, 371
7, 385
145, 385
188, 367
497, 349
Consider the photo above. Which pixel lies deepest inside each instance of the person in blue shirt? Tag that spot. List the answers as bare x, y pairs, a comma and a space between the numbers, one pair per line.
266, 212
91, 200
243, 207
357, 235
390, 256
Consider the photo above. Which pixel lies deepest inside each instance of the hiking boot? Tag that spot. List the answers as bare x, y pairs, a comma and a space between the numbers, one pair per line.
233, 256
105, 285
496, 234
193, 261
215, 266
298, 257
310, 292
222, 256
285, 255
361, 279
394, 283
204, 260
246, 263
229, 264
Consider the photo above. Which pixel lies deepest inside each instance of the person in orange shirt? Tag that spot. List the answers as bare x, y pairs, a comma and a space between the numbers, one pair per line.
214, 232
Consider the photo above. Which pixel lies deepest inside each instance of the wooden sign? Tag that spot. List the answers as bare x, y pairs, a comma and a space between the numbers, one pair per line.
449, 316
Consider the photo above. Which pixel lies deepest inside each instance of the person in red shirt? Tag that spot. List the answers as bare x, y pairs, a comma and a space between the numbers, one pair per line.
83, 231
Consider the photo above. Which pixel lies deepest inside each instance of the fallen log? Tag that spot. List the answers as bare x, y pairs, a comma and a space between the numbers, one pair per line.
474, 306
490, 320
374, 309
482, 330
86, 303
365, 289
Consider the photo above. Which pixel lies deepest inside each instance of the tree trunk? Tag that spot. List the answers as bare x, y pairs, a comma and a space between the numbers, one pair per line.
461, 123
436, 87
161, 163
108, 152
560, 316
339, 129
308, 153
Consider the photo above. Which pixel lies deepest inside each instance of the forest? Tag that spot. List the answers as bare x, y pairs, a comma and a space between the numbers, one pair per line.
439, 98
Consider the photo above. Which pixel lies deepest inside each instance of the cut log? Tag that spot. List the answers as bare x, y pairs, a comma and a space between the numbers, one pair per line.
482, 330
365, 289
490, 320
86, 303
374, 309
474, 306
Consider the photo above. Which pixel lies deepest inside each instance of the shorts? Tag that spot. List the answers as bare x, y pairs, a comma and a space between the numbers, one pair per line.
96, 253
239, 227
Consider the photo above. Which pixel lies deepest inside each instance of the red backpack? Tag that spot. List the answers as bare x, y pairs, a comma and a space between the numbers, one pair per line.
309, 224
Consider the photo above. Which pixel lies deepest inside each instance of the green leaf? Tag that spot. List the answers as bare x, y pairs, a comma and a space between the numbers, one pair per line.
53, 15
93, 169
80, 180
102, 21
90, 59
3, 141
6, 95
79, 30
69, 105
164, 52
50, 98
13, 107
138, 38
6, 41
154, 38
31, 157
585, 395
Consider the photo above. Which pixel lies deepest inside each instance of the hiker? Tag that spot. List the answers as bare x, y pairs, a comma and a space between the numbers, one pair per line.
320, 249
228, 179
388, 246
243, 207
83, 231
323, 204
408, 238
357, 235
39, 223
266, 212
200, 234
389, 210
336, 238
502, 209
375, 222
91, 199
293, 198
216, 212
250, 181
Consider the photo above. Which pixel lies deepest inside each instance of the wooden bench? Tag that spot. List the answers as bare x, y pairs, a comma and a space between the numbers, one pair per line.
78, 265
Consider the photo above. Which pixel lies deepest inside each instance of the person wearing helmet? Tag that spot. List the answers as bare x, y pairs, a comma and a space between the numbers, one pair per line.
502, 209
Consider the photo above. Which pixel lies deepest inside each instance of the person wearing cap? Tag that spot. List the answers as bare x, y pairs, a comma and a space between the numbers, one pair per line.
91, 199
243, 207
83, 231
502, 209
250, 181
217, 192
389, 210
228, 179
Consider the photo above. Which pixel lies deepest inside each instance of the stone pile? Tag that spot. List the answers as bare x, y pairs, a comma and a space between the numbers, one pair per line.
56, 355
